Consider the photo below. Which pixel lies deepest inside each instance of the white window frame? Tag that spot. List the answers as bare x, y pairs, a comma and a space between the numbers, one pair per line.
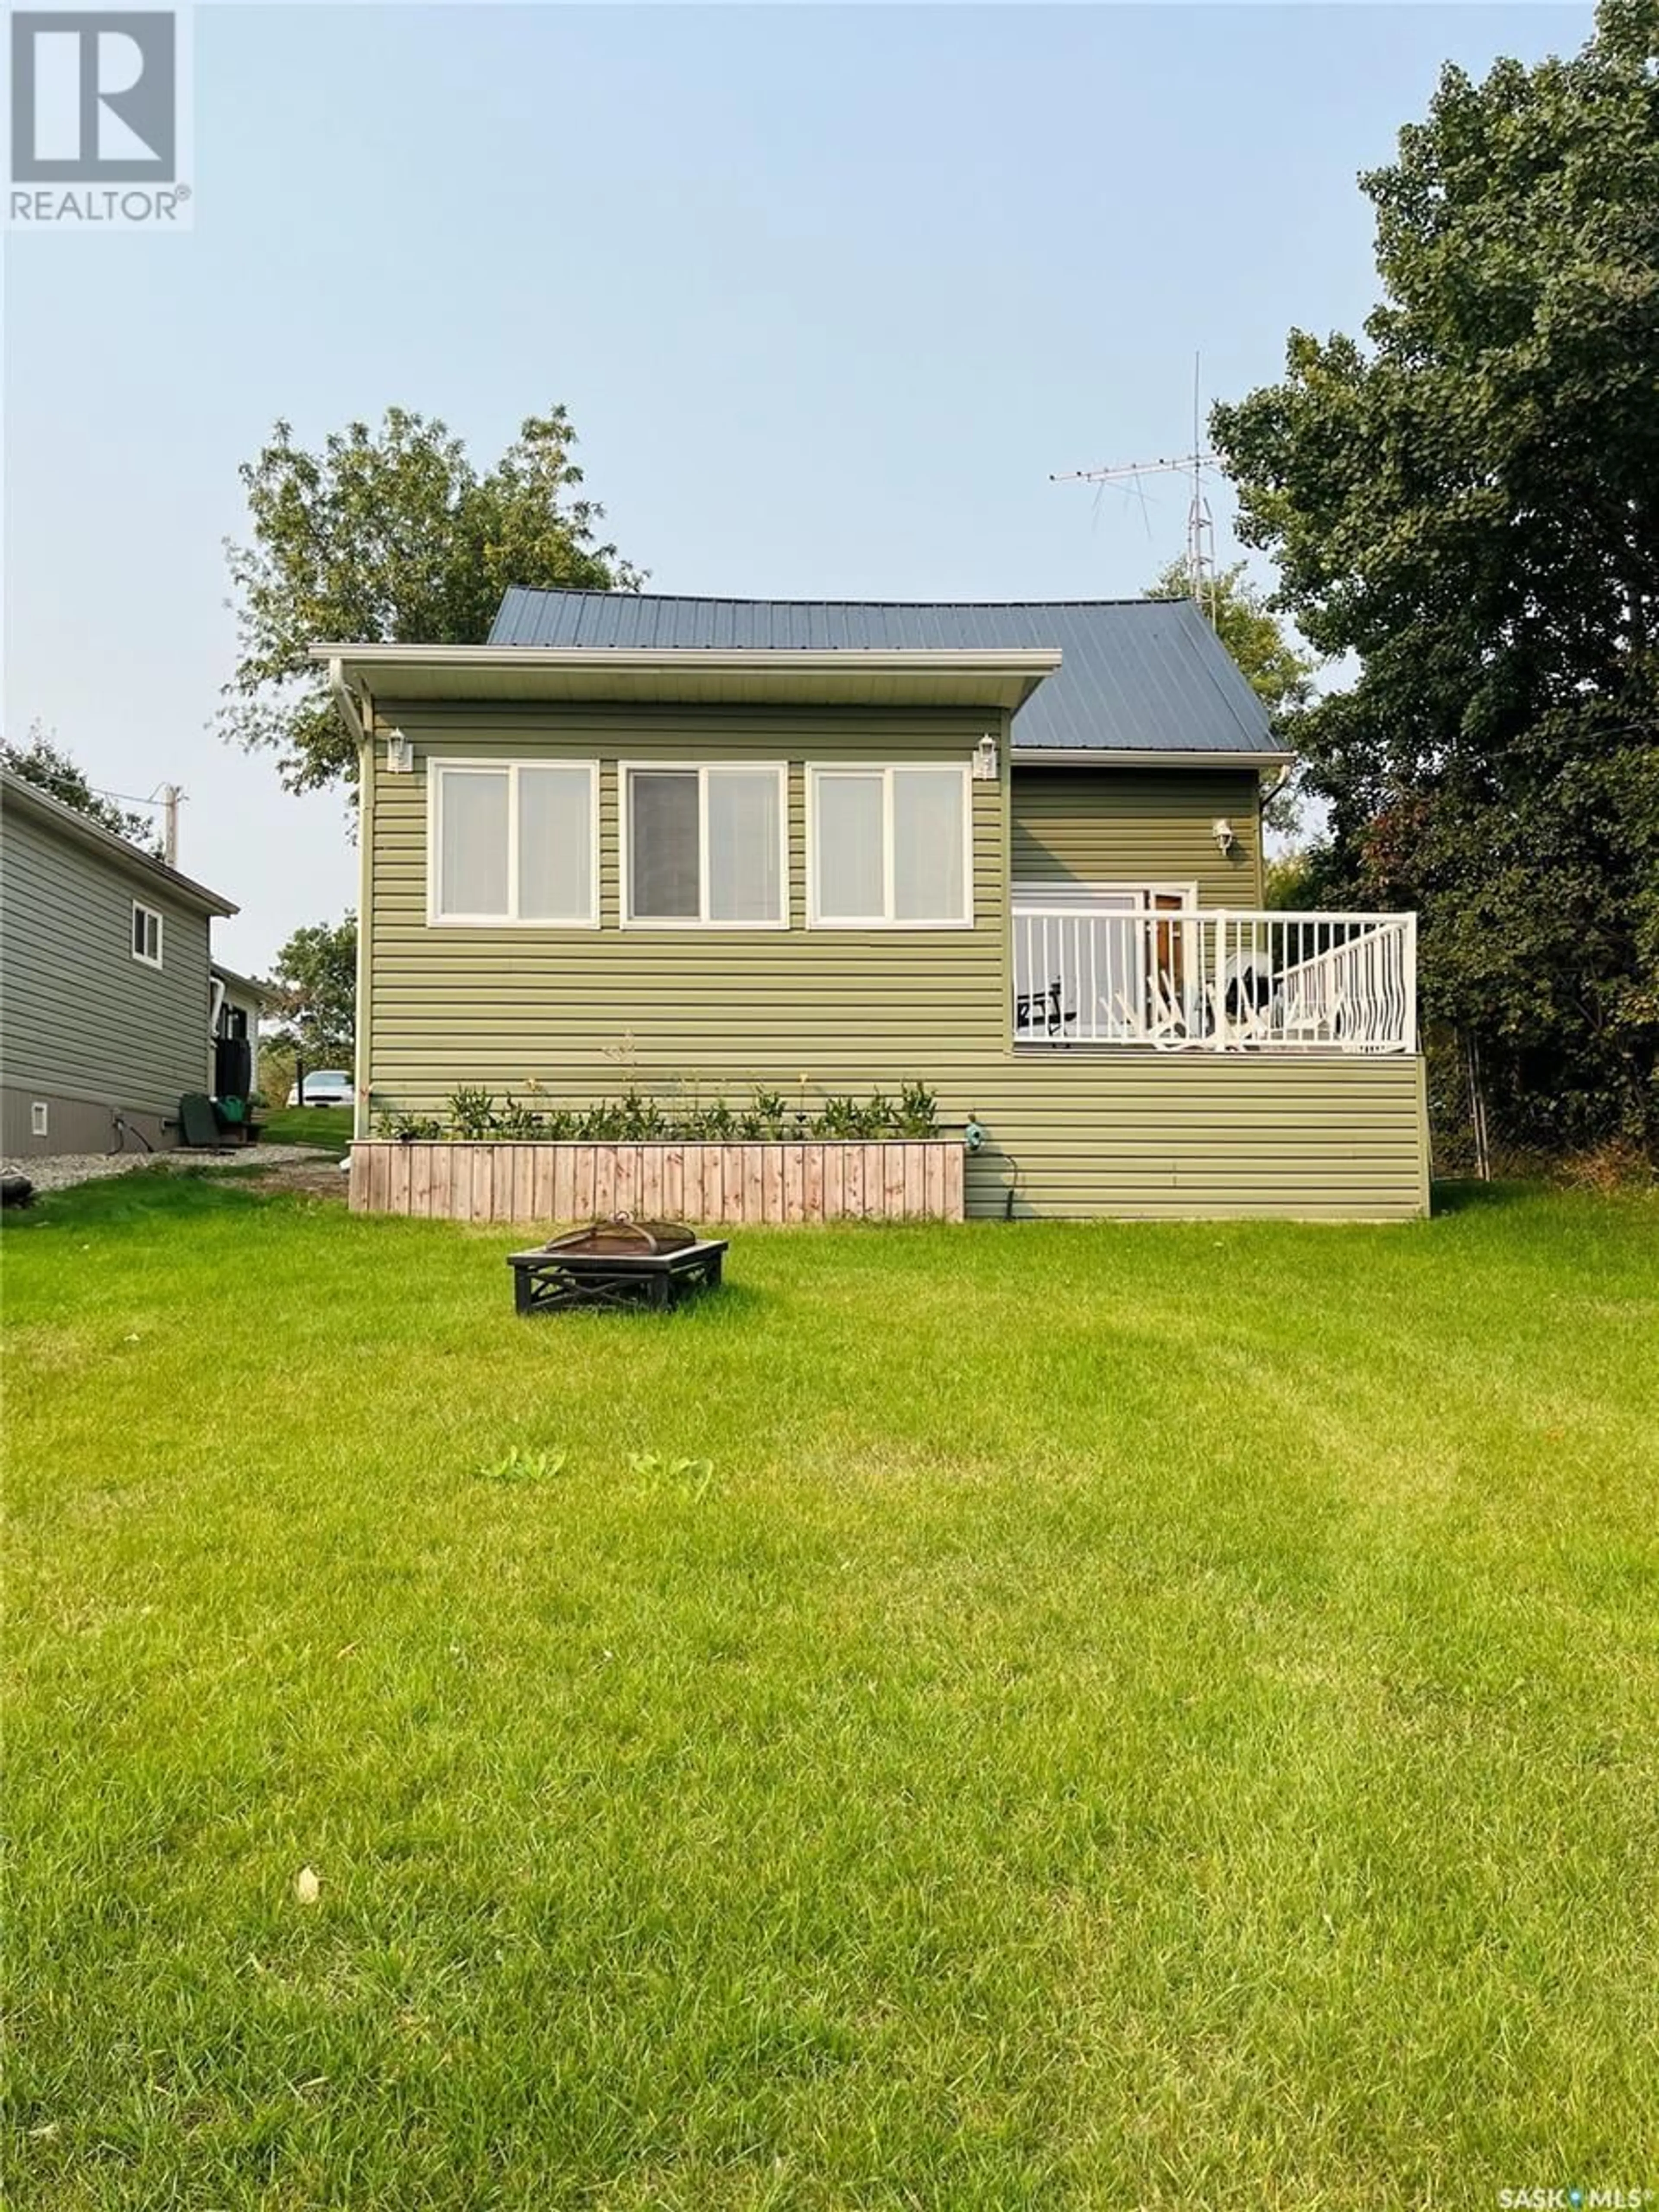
963, 773
151, 913
436, 919
626, 770
1027, 891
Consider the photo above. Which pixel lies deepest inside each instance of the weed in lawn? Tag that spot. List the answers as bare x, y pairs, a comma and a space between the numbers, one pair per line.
690, 1479
520, 1464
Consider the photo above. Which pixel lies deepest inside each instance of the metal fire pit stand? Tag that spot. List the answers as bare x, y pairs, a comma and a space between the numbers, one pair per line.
555, 1276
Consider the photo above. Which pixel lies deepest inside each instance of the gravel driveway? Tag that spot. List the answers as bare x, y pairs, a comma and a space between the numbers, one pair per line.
64, 1170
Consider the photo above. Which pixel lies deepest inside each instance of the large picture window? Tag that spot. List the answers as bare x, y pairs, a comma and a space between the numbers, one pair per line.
890, 848
512, 843
705, 848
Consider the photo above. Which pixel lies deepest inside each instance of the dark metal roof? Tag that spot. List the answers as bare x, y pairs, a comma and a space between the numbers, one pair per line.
1135, 675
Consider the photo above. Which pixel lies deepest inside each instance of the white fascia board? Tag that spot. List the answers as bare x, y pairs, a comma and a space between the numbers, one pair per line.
1142, 756
1033, 660
1002, 679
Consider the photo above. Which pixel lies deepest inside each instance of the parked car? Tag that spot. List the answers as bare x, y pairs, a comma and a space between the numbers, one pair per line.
324, 1086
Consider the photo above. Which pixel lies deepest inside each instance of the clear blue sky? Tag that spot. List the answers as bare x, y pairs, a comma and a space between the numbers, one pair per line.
828, 292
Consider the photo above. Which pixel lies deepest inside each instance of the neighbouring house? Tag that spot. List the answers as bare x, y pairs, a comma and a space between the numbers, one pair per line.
1014, 852
109, 1006
237, 1004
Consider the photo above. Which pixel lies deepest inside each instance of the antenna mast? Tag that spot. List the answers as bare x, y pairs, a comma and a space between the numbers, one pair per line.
1200, 523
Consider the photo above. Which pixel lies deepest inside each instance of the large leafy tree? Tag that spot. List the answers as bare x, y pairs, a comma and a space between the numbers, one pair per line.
316, 980
40, 761
392, 536
1468, 502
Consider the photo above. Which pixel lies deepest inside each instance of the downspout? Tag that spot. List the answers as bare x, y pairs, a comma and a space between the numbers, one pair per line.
346, 707
1277, 785
1264, 801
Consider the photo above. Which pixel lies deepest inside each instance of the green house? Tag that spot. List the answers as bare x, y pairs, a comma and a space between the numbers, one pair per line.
695, 847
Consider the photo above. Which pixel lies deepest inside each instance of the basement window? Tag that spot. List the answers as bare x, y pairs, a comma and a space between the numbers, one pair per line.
146, 935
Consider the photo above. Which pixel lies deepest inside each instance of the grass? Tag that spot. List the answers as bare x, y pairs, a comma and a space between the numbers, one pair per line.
329, 1128
1056, 1717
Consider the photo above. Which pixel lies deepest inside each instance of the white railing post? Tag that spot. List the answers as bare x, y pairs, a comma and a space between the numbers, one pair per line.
1410, 983
1217, 987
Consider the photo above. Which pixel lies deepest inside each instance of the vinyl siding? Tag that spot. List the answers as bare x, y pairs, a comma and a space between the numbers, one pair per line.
1134, 825
693, 1012
845, 1007
1174, 1135
83, 1019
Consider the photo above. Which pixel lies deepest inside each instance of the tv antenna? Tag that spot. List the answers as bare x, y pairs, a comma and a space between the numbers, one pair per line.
1200, 523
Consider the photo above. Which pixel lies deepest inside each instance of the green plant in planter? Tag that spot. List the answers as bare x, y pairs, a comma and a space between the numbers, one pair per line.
640, 1119
520, 1121
840, 1117
772, 1115
408, 1128
918, 1110
869, 1119
472, 1113
715, 1125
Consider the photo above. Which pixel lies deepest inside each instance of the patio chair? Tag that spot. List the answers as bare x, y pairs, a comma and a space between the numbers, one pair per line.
1309, 1021
1163, 1024
1044, 1009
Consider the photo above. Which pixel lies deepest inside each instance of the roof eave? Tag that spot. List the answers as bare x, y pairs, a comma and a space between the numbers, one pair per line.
1003, 678
82, 829
249, 986
1149, 757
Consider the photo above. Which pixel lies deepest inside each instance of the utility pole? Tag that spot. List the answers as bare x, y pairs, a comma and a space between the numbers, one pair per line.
1200, 523
171, 795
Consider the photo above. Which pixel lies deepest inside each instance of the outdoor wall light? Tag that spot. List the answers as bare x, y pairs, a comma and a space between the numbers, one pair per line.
985, 760
399, 753
1226, 837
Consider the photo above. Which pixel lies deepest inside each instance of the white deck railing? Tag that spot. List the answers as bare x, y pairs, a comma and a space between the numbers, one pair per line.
1215, 980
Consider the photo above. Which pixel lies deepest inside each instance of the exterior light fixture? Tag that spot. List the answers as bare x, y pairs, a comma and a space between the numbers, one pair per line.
985, 760
1226, 837
399, 753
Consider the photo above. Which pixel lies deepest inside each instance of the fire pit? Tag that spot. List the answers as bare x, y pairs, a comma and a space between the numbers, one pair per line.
617, 1262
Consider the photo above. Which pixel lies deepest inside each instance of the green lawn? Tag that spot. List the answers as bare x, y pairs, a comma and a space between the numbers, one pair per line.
329, 1126
1127, 1716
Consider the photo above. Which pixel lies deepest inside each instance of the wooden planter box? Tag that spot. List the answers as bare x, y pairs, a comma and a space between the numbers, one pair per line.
897, 1180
